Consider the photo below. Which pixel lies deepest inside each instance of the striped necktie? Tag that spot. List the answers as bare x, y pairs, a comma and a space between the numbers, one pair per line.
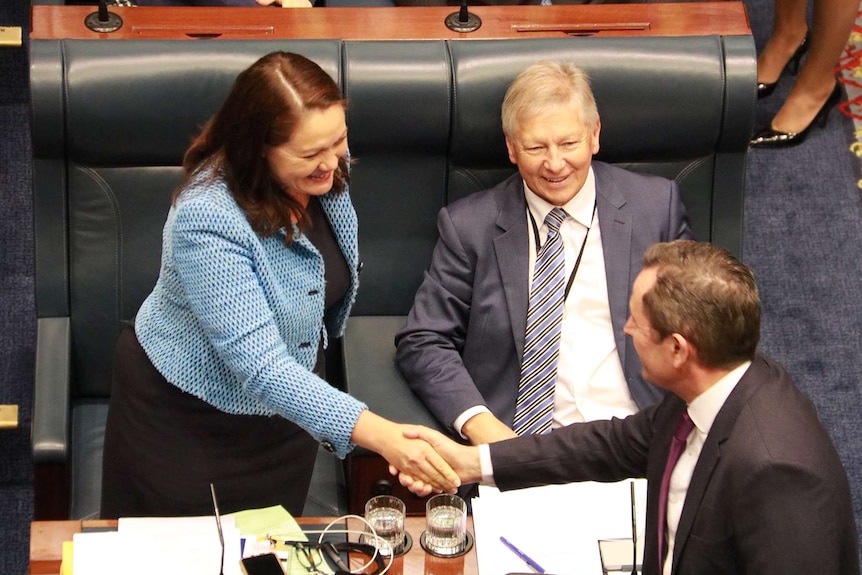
535, 404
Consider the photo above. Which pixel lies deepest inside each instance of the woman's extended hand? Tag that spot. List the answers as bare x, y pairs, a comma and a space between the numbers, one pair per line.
410, 455
463, 459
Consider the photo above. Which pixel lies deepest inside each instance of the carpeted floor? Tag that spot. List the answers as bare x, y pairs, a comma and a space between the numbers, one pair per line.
802, 234
17, 315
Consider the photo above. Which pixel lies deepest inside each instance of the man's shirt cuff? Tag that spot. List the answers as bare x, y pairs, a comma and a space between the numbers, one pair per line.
459, 422
485, 465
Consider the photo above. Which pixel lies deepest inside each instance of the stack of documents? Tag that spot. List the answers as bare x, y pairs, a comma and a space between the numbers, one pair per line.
144, 546
557, 526
183, 545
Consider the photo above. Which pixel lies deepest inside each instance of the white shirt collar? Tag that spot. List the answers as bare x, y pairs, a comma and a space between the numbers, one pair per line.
705, 407
580, 207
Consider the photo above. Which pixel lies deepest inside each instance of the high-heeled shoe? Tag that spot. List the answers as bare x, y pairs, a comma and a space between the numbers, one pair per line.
772, 138
764, 89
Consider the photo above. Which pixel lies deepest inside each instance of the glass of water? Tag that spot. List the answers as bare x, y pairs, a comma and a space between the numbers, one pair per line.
445, 525
617, 556
385, 513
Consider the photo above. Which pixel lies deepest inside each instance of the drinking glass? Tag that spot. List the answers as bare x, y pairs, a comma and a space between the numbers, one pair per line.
616, 556
445, 525
386, 514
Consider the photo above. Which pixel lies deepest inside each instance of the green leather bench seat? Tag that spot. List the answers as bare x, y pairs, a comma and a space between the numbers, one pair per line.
111, 120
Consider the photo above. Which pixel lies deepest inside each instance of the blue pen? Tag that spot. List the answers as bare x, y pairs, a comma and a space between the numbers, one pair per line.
538, 568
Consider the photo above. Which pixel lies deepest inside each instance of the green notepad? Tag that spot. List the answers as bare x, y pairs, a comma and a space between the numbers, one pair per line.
277, 523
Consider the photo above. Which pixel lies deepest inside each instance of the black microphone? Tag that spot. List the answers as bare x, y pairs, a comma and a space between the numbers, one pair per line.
218, 524
463, 20
634, 531
102, 20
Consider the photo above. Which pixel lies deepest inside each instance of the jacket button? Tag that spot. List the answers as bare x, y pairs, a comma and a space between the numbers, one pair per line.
305, 344
327, 446
314, 292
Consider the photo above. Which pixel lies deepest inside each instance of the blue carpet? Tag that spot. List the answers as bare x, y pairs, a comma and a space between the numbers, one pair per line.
17, 336
17, 311
802, 234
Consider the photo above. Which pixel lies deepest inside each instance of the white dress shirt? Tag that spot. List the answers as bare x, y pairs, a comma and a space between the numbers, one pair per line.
703, 411
590, 380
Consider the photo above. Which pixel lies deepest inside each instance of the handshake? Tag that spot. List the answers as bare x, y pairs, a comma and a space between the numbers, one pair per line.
437, 464
425, 460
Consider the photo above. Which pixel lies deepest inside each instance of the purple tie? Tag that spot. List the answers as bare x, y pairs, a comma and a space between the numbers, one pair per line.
677, 446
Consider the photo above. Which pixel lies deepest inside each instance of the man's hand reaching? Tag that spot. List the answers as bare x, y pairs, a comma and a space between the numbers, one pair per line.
406, 452
464, 460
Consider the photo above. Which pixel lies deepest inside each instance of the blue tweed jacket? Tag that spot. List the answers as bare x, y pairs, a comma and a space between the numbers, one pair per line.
235, 319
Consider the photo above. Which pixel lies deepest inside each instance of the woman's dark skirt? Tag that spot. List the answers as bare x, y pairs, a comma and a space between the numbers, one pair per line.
163, 447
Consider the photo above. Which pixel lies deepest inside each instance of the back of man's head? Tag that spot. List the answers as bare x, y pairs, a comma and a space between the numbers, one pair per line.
706, 295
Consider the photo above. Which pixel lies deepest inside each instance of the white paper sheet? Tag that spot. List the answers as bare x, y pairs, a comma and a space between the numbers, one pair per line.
558, 526
167, 546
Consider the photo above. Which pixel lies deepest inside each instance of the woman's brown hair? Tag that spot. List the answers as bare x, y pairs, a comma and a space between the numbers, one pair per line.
263, 109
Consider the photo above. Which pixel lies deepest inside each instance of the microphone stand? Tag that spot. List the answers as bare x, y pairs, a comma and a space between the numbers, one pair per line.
634, 531
463, 20
218, 524
103, 21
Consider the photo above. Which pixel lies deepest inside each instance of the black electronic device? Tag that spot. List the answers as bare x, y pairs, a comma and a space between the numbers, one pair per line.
265, 564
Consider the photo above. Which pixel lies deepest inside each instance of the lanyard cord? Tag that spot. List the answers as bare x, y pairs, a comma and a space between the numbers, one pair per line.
580, 253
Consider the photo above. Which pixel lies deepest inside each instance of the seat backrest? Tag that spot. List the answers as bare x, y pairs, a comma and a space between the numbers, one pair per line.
677, 107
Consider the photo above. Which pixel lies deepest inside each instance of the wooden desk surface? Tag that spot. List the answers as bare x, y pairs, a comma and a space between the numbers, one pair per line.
382, 23
47, 537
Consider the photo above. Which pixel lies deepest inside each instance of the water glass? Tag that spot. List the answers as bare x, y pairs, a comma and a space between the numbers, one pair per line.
445, 525
617, 556
385, 513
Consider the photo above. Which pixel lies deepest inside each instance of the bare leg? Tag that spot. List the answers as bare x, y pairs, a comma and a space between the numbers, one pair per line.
830, 30
787, 33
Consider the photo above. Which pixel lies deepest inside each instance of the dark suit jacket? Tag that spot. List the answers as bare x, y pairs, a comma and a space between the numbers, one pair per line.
464, 339
767, 496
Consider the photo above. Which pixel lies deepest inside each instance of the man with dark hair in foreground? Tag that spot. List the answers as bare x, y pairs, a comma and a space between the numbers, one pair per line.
758, 488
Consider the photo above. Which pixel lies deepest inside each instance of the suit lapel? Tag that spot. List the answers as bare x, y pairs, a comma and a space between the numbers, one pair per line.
616, 227
512, 257
710, 456
511, 247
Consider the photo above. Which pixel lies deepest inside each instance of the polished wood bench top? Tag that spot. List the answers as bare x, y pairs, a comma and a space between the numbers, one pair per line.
398, 23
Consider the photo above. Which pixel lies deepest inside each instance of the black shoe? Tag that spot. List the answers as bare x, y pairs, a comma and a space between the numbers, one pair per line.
763, 89
772, 138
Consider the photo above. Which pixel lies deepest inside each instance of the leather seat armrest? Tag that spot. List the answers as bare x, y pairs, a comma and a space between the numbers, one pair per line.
50, 431
371, 375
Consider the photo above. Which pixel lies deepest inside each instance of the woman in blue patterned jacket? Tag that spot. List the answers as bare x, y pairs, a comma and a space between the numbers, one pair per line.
221, 378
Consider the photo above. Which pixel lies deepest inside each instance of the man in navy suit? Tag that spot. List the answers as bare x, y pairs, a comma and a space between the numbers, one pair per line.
758, 489
462, 346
